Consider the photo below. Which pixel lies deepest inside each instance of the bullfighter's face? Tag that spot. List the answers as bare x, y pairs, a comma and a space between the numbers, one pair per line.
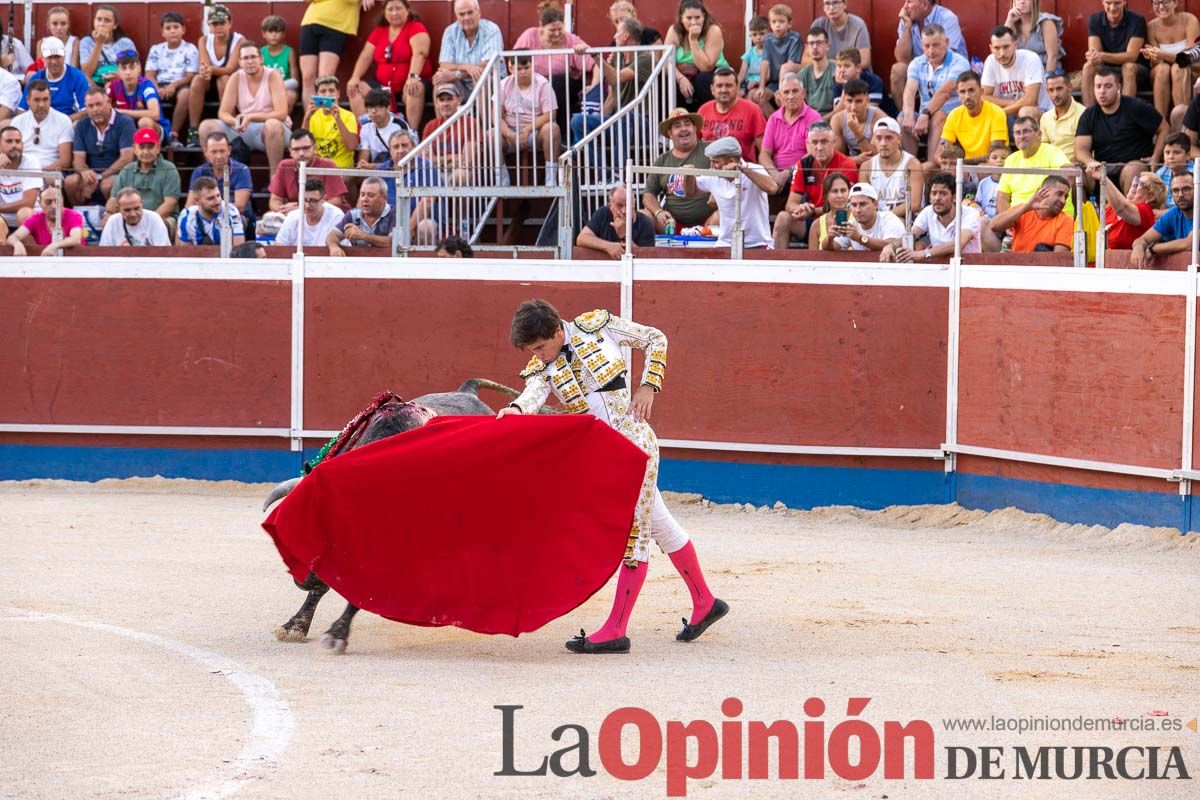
546, 350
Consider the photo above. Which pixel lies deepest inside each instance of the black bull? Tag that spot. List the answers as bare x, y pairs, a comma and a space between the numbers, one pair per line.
390, 419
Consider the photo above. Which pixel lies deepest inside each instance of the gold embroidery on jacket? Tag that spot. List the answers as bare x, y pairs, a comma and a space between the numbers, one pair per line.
592, 321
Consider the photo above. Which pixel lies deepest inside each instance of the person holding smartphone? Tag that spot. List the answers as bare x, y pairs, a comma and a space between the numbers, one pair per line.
866, 226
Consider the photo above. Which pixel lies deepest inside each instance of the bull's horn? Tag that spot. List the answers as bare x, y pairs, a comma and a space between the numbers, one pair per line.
281, 491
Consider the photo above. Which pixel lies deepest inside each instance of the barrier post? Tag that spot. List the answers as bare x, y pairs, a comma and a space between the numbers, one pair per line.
737, 242
1101, 231
226, 243
295, 432
1080, 236
952, 318
1189, 347
302, 177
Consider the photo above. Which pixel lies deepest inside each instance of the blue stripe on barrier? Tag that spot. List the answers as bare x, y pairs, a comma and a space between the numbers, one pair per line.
1076, 504
804, 486
721, 481
22, 462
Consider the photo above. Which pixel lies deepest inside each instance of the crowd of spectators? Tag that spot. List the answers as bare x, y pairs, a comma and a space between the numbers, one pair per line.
823, 149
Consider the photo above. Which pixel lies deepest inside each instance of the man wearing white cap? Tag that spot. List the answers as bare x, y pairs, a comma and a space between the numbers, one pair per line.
68, 85
868, 229
754, 183
895, 174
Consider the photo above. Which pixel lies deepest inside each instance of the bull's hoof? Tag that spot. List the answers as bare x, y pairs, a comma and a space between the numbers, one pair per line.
285, 634
334, 643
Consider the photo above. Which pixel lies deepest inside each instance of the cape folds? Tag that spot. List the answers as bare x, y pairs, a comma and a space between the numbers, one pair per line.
495, 526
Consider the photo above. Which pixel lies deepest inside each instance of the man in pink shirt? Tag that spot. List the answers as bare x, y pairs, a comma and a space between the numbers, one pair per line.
786, 139
729, 115
39, 226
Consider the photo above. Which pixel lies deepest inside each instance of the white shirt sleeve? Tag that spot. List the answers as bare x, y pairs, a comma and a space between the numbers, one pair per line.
159, 237
10, 91
921, 225
112, 235
892, 227
990, 68
289, 230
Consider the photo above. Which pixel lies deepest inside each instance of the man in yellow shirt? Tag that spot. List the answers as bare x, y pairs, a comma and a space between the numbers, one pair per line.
977, 123
334, 129
1060, 122
1016, 188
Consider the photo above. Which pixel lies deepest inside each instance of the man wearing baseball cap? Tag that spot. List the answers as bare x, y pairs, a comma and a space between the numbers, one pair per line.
895, 174
754, 183
68, 85
155, 179
867, 228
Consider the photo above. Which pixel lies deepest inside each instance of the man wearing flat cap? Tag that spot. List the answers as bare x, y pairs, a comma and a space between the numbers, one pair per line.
664, 200
754, 183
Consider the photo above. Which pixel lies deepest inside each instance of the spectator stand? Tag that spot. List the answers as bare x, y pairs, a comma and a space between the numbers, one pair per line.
54, 178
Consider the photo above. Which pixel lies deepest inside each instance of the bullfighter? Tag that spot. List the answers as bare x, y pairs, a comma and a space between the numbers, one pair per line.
581, 362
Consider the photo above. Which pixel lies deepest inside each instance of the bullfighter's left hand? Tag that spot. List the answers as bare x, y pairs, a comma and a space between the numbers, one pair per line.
643, 400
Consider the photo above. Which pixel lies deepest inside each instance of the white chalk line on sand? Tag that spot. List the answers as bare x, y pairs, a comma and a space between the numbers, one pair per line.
273, 721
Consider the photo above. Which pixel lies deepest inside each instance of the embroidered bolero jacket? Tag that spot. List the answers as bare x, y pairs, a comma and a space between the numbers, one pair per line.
595, 339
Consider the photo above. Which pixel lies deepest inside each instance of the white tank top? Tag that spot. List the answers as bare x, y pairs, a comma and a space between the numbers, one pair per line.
893, 188
234, 40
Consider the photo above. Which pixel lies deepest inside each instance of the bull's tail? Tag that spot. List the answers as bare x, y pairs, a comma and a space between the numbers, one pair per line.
473, 385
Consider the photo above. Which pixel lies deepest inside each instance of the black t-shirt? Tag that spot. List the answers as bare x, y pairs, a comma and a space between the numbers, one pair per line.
1191, 119
1115, 40
601, 225
1126, 135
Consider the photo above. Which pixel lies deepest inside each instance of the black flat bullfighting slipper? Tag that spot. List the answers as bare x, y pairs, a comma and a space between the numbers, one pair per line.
581, 644
691, 633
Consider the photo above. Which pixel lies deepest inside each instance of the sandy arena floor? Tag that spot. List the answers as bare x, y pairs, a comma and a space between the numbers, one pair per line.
138, 659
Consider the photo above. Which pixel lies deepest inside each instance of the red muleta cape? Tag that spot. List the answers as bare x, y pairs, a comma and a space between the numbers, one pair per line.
495, 526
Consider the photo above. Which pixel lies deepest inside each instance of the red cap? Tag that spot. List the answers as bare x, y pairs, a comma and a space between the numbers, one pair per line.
146, 136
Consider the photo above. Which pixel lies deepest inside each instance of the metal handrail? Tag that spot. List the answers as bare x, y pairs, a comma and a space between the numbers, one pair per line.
394, 174
737, 238
1080, 251
568, 160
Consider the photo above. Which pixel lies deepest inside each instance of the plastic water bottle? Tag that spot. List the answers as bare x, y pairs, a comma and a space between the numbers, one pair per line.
669, 228
977, 65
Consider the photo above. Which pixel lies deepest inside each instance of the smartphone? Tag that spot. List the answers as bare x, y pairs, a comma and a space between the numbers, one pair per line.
841, 216
322, 101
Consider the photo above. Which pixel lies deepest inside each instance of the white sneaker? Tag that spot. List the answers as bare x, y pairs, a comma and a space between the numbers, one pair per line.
552, 174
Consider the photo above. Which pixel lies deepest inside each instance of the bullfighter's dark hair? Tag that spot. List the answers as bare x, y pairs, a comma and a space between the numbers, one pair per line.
535, 321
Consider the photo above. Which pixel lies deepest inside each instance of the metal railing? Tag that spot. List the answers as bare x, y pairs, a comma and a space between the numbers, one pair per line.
736, 237
1080, 248
400, 228
472, 149
626, 131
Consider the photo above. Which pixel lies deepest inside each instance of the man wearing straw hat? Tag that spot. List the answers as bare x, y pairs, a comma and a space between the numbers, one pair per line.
664, 200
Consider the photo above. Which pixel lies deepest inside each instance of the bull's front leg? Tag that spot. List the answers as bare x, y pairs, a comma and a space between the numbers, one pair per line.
296, 628
338, 635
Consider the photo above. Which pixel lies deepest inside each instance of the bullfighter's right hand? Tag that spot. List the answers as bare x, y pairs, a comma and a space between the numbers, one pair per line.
504, 412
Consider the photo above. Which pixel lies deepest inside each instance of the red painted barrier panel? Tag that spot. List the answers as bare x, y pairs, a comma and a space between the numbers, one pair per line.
858, 366
1093, 376
145, 352
417, 336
